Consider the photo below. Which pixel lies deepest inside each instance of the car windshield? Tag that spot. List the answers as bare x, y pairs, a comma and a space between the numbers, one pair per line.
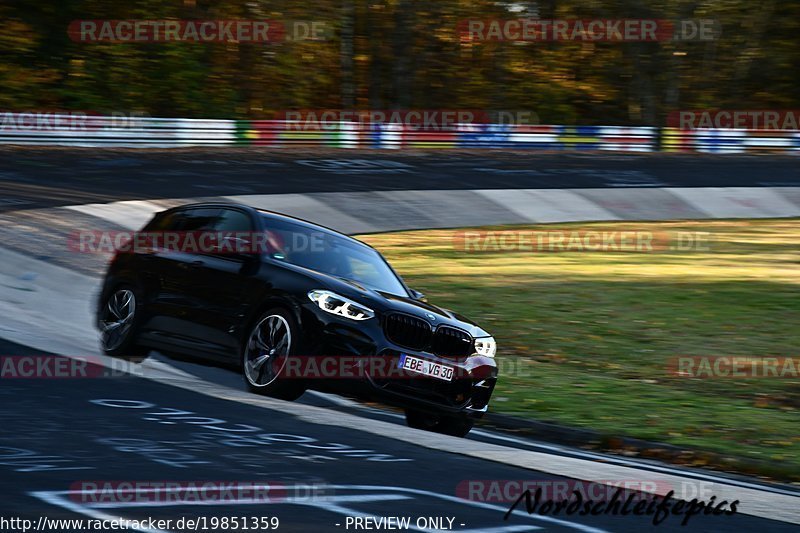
330, 254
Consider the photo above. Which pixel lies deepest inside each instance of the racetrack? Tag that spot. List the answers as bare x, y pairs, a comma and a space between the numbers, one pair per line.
31, 178
155, 425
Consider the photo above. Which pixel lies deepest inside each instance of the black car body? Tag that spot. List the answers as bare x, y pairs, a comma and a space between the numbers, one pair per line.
341, 299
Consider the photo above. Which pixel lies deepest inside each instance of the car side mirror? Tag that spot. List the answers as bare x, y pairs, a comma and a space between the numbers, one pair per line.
415, 294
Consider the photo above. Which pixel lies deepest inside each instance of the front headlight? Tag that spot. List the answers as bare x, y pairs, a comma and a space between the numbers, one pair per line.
485, 346
339, 305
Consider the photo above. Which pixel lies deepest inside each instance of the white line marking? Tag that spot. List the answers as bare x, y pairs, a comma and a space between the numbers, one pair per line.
58, 499
367, 498
568, 451
329, 504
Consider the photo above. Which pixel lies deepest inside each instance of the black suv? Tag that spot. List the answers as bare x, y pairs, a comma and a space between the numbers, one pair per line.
289, 302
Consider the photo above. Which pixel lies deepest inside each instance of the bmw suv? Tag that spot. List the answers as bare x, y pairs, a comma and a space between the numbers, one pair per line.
295, 306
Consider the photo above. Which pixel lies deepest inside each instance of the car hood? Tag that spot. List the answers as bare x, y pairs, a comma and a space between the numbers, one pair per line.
384, 302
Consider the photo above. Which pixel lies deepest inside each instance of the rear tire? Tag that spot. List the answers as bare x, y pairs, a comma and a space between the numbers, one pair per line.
272, 340
456, 426
119, 321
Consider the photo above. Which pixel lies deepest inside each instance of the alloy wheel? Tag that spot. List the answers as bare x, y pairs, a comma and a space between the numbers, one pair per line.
118, 319
267, 350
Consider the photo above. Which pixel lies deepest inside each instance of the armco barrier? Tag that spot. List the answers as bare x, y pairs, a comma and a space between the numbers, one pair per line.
110, 131
147, 132
398, 136
729, 141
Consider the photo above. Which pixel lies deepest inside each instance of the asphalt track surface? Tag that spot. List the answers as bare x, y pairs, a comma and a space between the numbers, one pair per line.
58, 434
67, 434
32, 178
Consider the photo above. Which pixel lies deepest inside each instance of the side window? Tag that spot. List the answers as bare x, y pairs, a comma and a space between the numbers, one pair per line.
173, 225
233, 229
197, 219
233, 220
275, 242
164, 222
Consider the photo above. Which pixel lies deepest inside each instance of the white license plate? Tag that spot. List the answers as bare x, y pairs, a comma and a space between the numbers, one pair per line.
426, 368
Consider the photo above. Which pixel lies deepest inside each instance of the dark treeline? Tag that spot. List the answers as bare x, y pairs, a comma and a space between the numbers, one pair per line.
401, 54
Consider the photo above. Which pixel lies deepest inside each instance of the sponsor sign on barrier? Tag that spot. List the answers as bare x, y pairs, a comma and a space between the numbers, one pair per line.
730, 141
133, 131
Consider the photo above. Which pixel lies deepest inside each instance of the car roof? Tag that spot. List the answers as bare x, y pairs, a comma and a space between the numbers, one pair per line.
269, 214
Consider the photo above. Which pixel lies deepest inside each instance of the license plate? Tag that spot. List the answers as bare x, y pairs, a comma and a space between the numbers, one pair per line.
426, 368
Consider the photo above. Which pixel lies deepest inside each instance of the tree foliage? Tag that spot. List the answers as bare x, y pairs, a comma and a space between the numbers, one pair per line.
383, 54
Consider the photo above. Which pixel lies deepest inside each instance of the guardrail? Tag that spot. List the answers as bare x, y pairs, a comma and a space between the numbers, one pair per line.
109, 131
147, 132
397, 136
730, 141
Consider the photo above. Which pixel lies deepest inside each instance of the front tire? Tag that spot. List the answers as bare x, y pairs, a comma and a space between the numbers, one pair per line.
456, 426
273, 339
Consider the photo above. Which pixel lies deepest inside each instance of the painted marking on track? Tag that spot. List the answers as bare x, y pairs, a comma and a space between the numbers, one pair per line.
755, 501
224, 432
568, 451
23, 460
354, 495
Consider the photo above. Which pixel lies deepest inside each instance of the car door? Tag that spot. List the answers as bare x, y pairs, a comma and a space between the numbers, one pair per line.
178, 305
156, 270
226, 282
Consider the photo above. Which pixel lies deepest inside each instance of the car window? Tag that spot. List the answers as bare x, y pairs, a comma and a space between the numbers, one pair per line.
233, 220
368, 272
199, 219
330, 253
164, 221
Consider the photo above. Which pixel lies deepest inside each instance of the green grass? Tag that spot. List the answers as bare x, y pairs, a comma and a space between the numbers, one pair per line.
587, 336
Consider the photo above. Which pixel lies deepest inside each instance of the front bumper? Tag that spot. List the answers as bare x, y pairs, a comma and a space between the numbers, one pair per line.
468, 393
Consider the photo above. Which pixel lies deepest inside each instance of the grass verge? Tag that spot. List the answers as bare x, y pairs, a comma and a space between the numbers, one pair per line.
588, 337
